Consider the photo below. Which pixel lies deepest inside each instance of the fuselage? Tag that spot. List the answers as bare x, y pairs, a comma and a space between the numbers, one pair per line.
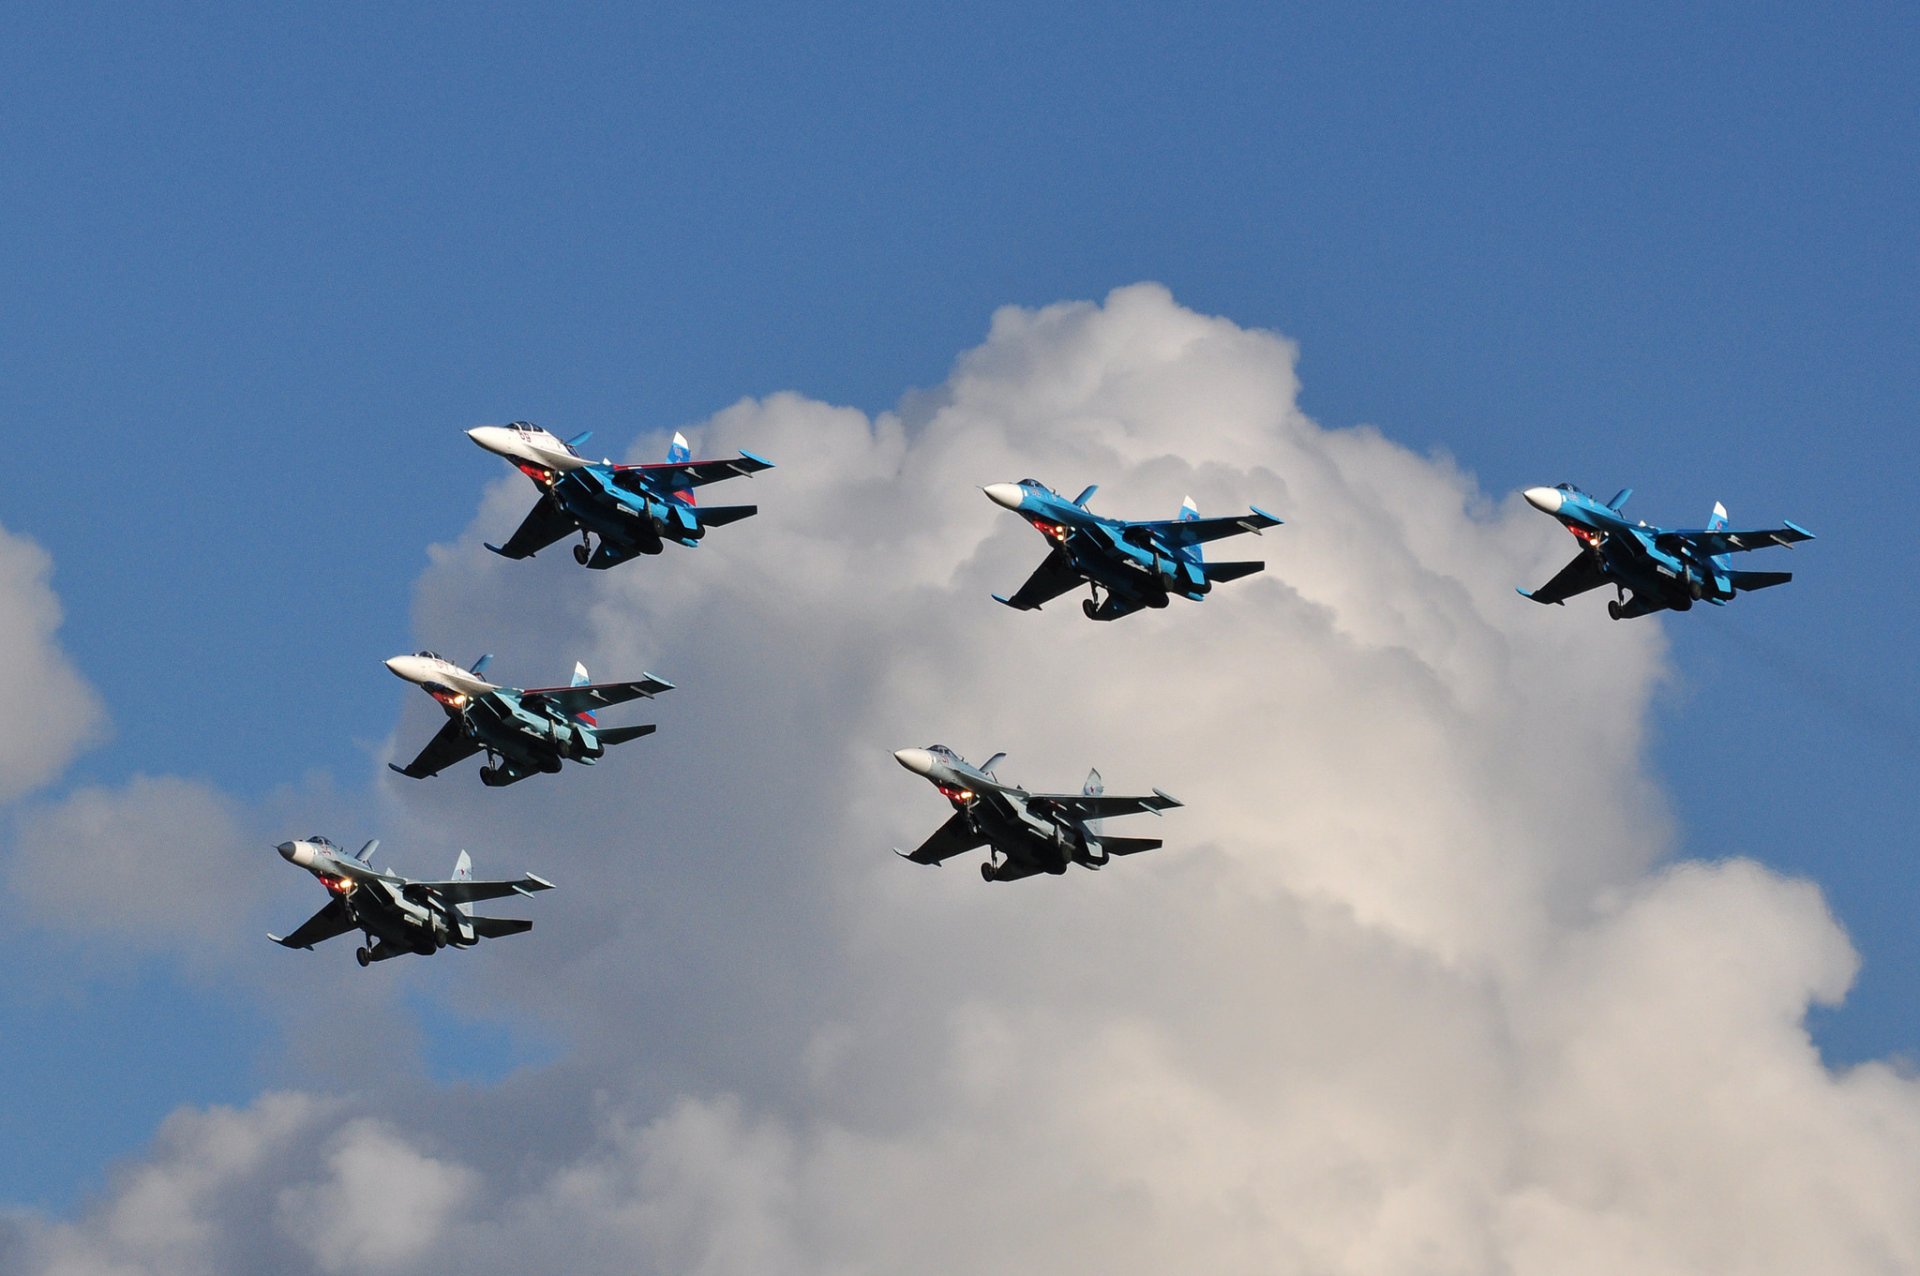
402, 916
1123, 558
1662, 571
498, 719
1002, 816
623, 507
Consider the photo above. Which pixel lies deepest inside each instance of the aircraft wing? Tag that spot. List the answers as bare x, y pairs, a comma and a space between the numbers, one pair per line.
544, 524
672, 474
1099, 806
450, 744
593, 695
469, 891
332, 920
949, 840
1732, 542
1576, 577
1054, 577
1198, 531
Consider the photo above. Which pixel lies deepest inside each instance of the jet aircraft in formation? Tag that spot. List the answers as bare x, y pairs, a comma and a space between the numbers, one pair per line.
1034, 832
1140, 564
633, 509
521, 731
1662, 567
398, 914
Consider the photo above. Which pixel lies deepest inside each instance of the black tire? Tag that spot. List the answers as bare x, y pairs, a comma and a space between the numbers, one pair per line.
1090, 609
581, 554
362, 956
986, 871
1613, 609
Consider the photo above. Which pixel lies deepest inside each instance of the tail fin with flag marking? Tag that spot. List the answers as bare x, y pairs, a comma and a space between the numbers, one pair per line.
463, 872
680, 452
1190, 513
1717, 523
580, 679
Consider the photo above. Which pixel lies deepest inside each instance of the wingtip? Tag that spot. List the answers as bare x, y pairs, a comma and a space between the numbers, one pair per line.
1008, 602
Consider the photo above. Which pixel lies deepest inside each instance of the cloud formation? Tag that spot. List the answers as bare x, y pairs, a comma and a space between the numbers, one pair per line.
1415, 986
49, 713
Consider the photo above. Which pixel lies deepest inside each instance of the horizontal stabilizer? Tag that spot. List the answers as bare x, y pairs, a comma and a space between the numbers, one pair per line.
1232, 571
721, 515
495, 927
1748, 581
620, 735
1129, 845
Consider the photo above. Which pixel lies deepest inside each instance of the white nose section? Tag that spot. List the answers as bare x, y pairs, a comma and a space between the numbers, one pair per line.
1545, 499
494, 438
412, 668
918, 761
297, 853
1006, 495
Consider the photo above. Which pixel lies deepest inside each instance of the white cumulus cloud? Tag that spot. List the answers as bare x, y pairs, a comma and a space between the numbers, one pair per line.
1416, 985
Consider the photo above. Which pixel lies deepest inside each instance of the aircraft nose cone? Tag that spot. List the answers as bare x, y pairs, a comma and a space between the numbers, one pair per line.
296, 853
491, 437
407, 667
1545, 499
918, 761
285, 849
1006, 495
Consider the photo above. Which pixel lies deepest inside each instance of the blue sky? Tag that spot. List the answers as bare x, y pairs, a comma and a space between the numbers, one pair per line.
263, 265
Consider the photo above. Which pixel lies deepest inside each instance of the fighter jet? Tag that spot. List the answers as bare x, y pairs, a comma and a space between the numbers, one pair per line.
521, 731
1662, 567
397, 914
633, 509
1136, 564
1036, 832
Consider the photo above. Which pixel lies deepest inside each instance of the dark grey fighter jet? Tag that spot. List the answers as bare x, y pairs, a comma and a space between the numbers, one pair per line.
1035, 832
399, 915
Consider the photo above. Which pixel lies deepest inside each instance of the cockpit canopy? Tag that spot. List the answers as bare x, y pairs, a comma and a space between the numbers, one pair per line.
535, 434
1035, 484
430, 655
942, 752
1569, 487
317, 840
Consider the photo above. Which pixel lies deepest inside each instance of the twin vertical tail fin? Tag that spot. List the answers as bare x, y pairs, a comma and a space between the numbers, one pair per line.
463, 872
580, 679
679, 453
1190, 513
1717, 523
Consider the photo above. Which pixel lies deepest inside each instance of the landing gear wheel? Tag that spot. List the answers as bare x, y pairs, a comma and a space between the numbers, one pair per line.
1090, 609
581, 553
1613, 609
362, 956
986, 871
490, 776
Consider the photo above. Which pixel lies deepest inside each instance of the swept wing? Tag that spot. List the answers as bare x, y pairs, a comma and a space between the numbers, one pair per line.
1577, 577
676, 474
1054, 577
332, 920
466, 892
950, 839
590, 696
544, 524
1198, 531
1723, 541
1100, 806
450, 744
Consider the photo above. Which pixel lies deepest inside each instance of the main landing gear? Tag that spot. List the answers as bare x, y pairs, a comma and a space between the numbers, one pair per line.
362, 956
583, 552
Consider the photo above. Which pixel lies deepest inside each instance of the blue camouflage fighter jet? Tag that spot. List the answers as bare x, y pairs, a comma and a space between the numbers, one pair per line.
1663, 568
522, 732
1137, 564
633, 509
